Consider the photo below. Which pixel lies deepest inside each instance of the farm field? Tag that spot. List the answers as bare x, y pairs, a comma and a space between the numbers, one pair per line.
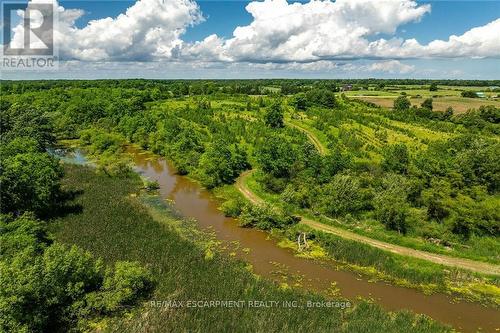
459, 104
443, 97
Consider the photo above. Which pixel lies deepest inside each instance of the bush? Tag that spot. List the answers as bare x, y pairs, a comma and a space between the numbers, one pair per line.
468, 94
427, 104
391, 207
341, 196
266, 218
402, 103
232, 207
151, 185
49, 287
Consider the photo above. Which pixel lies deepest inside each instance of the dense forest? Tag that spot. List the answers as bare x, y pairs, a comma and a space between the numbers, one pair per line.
410, 172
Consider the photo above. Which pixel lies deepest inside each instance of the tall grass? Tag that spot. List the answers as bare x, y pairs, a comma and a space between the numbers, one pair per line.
410, 272
114, 225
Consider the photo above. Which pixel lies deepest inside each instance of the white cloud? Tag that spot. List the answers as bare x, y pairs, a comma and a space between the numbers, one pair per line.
390, 66
316, 30
344, 29
302, 36
478, 42
149, 29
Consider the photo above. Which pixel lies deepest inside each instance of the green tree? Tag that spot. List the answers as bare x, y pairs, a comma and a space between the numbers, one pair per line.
402, 103
396, 158
321, 97
274, 115
433, 86
427, 104
276, 155
219, 165
299, 102
29, 182
335, 162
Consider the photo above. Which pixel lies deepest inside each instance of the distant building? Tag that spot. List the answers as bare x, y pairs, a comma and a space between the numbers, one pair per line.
481, 94
347, 87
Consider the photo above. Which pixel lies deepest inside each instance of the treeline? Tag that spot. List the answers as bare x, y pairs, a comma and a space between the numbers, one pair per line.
249, 87
47, 286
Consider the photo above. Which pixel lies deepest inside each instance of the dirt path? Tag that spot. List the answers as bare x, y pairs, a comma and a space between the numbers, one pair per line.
475, 266
243, 188
314, 140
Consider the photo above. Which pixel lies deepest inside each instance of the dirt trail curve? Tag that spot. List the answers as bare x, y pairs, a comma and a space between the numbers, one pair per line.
314, 140
475, 266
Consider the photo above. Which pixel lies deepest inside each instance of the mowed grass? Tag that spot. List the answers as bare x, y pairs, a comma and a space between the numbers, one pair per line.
115, 225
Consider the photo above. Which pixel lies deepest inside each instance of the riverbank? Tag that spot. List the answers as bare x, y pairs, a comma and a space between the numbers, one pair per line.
114, 224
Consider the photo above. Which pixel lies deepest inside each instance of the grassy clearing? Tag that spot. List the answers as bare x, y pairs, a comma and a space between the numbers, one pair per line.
115, 225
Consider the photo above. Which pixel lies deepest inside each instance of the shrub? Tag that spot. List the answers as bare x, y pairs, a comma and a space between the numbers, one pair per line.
232, 207
402, 103
266, 218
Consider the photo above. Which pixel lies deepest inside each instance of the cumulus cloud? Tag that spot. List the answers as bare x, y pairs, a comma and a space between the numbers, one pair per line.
318, 29
149, 29
344, 29
478, 42
313, 35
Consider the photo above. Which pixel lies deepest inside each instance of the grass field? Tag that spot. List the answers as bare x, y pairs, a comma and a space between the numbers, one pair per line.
114, 224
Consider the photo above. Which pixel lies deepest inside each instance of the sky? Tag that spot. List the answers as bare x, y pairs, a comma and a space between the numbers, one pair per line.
272, 39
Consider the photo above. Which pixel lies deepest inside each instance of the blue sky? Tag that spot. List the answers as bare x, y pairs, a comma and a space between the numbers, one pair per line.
220, 58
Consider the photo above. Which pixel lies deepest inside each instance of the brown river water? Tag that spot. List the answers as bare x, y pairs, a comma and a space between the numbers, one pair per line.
193, 201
